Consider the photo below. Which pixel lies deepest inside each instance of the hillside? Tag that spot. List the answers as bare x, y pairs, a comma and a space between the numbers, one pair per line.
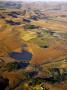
33, 46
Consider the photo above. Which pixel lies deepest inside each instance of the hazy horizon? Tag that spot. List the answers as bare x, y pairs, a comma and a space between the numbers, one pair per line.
38, 0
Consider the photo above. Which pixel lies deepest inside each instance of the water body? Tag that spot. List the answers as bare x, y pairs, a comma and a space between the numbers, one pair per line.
23, 65
17, 13
45, 46
12, 22
13, 15
21, 55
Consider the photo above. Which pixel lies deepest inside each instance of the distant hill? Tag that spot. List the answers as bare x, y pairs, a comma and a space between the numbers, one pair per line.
34, 5
8, 4
45, 5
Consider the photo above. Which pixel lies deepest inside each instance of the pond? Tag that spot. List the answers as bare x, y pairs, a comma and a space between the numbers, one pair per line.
21, 55
27, 20
17, 13
44, 46
23, 65
12, 22
34, 17
13, 15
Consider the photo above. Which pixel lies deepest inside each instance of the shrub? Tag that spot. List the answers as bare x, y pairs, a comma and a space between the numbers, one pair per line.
12, 66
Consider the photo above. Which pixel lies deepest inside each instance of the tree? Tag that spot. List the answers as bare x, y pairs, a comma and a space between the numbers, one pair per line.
12, 66
56, 75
